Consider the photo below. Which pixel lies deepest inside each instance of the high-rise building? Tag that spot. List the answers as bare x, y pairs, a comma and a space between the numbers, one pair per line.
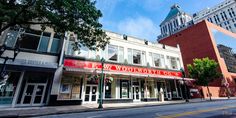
223, 15
175, 21
228, 55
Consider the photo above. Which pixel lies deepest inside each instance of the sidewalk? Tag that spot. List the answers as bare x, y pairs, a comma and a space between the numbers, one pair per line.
49, 110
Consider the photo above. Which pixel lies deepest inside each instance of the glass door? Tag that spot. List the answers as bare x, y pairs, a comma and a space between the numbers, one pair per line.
90, 94
28, 94
33, 94
136, 93
39, 94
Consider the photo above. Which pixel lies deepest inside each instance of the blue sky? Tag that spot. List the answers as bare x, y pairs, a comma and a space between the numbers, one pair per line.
224, 39
141, 18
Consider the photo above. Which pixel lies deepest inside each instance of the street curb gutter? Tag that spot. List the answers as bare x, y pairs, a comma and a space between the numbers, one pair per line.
96, 109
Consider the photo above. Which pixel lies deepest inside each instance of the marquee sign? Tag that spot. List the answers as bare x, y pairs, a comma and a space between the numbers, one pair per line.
119, 68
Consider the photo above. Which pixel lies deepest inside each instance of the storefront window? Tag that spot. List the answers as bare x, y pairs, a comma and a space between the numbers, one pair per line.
112, 53
70, 87
150, 89
124, 89
110, 87
136, 57
8, 88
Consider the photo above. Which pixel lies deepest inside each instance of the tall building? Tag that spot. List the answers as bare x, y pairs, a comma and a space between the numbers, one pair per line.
175, 21
223, 15
228, 55
200, 41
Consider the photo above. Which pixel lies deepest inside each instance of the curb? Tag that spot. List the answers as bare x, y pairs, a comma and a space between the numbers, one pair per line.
104, 109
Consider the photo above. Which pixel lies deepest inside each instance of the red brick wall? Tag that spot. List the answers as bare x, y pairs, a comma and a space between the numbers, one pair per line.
194, 42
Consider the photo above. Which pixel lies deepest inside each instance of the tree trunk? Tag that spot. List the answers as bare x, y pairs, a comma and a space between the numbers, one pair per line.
209, 92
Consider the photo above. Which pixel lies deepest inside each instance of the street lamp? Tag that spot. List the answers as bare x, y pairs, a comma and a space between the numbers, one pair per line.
185, 87
101, 85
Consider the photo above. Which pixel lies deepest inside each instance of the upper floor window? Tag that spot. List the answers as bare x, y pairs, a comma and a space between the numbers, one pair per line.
83, 51
136, 57
112, 52
55, 43
31, 40
173, 63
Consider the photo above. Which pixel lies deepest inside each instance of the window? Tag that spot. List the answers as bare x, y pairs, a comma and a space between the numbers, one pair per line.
136, 57
130, 56
150, 58
70, 88
43, 45
84, 51
156, 60
70, 50
11, 38
30, 40
173, 62
144, 58
55, 44
112, 53
121, 54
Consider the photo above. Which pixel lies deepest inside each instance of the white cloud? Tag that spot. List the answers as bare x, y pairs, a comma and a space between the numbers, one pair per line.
140, 27
107, 5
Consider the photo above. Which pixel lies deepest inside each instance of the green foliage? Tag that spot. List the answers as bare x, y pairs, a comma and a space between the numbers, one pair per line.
78, 16
204, 71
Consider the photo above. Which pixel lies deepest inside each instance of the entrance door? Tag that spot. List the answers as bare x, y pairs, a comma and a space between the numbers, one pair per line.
136, 93
90, 94
33, 94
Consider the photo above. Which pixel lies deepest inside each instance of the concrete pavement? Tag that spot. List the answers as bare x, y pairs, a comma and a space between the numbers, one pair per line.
42, 111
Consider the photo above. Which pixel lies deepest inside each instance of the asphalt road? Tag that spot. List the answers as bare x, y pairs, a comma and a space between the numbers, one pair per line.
215, 109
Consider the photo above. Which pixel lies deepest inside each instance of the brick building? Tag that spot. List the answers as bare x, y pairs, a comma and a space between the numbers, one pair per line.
201, 40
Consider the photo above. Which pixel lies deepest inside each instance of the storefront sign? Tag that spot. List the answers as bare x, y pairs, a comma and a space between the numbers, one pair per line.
119, 68
36, 63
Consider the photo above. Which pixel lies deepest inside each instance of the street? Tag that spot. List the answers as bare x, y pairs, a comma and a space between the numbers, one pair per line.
215, 109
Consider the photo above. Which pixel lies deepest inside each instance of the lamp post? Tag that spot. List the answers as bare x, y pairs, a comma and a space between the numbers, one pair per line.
185, 87
101, 85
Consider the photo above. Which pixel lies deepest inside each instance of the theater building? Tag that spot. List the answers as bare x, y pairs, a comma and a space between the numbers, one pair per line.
205, 39
134, 70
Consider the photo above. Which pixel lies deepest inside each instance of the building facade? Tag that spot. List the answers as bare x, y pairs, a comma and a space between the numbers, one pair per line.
175, 21
222, 14
200, 41
228, 55
30, 76
134, 70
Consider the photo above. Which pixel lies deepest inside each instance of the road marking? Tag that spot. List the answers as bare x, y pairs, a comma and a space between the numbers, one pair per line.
196, 112
97, 116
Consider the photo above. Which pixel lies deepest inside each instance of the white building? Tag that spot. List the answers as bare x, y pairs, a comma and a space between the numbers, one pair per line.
223, 15
175, 21
135, 70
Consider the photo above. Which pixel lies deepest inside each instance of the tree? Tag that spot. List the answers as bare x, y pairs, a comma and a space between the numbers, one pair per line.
204, 71
77, 16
